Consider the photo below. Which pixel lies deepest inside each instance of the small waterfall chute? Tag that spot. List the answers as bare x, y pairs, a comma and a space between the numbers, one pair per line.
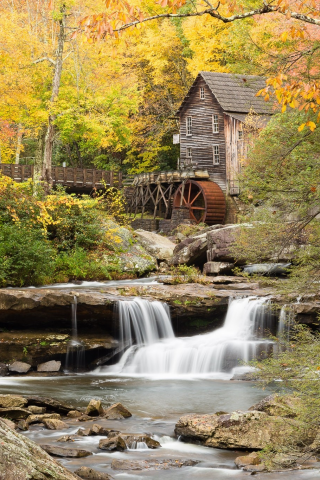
75, 357
155, 351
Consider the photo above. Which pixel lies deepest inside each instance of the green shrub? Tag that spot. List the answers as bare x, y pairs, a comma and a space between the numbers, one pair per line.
78, 264
26, 256
186, 274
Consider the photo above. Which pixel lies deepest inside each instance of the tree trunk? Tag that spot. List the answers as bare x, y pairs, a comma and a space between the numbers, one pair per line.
19, 142
38, 163
48, 144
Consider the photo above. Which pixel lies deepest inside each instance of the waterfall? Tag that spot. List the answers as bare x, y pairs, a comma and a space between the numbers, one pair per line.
155, 351
75, 357
143, 322
286, 321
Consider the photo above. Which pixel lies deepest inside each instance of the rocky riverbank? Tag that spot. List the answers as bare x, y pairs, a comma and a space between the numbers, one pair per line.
249, 431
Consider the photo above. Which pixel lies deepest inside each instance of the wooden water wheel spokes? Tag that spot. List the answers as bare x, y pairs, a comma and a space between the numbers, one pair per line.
190, 196
204, 200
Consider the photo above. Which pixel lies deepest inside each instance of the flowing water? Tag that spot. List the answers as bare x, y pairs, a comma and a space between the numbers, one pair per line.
75, 357
160, 378
156, 352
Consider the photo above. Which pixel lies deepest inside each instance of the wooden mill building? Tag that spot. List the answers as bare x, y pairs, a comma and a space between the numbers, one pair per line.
212, 146
212, 116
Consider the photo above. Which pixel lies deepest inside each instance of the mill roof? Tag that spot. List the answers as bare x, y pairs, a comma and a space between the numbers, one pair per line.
234, 92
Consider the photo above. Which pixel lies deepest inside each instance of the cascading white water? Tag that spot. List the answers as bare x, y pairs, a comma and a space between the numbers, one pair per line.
157, 352
143, 322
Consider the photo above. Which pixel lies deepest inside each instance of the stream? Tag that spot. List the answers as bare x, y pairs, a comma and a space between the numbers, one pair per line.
159, 378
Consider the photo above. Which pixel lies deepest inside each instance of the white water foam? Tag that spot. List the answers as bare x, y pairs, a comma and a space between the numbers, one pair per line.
155, 352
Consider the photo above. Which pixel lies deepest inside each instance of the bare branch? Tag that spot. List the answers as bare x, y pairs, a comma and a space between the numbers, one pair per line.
214, 13
43, 59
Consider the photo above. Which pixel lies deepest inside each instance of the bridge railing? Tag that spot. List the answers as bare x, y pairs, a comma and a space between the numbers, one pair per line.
67, 176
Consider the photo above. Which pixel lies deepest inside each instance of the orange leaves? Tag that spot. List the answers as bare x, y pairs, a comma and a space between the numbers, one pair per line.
294, 33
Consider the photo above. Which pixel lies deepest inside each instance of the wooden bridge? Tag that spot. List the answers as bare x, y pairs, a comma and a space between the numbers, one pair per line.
73, 178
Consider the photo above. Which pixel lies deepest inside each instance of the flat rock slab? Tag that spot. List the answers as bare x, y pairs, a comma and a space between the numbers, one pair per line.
14, 413
50, 404
65, 452
89, 474
151, 464
250, 430
52, 366
19, 367
22, 459
8, 401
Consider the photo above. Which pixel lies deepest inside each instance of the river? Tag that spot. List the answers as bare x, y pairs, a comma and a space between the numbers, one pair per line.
158, 390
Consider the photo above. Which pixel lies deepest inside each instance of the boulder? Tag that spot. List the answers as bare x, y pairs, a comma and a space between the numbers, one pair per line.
97, 430
23, 425
131, 257
133, 439
251, 459
116, 412
94, 409
84, 418
22, 459
89, 474
67, 438
219, 243
8, 401
19, 367
54, 424
41, 418
3, 370
217, 268
113, 443
191, 252
52, 366
278, 405
65, 452
165, 464
252, 430
74, 414
156, 245
100, 430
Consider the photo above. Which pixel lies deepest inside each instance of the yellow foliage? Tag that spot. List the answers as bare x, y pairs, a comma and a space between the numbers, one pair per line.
206, 40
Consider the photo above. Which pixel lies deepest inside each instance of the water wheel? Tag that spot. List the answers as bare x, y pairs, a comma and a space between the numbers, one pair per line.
204, 200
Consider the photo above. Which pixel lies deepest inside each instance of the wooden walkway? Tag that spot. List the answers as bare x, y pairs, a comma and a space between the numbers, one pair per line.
88, 178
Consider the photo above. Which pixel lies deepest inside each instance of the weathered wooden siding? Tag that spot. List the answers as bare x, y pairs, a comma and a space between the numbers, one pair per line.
235, 152
202, 139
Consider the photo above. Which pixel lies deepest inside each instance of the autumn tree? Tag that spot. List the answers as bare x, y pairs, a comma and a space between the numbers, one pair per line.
280, 186
295, 15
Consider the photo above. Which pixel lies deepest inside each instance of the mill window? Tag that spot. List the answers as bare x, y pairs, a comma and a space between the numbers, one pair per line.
189, 153
201, 93
189, 125
215, 123
216, 155
240, 134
